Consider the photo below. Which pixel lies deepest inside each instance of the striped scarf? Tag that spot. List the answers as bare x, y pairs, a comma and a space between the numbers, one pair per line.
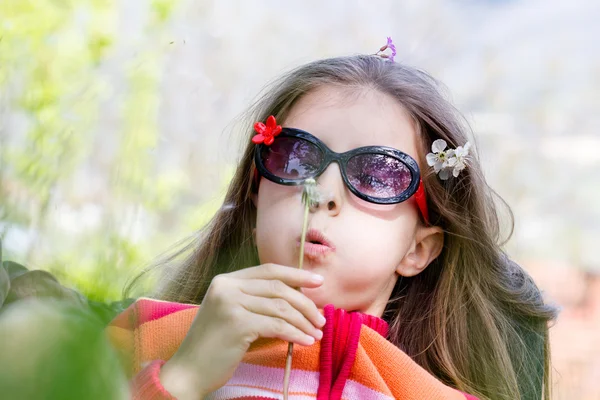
353, 360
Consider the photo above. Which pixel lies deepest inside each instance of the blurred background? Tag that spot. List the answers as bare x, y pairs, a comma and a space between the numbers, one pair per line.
120, 127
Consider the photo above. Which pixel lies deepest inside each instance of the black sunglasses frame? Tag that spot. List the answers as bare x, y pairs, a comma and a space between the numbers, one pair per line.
342, 159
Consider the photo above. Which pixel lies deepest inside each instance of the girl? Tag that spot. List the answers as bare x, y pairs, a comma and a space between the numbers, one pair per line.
406, 292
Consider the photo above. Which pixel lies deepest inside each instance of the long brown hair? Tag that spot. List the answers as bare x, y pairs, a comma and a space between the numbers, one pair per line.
473, 318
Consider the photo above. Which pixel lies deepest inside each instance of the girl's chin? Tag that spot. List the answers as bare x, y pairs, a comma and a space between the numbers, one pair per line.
321, 298
318, 296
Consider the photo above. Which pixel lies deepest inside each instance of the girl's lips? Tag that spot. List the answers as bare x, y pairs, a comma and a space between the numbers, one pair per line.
317, 245
313, 250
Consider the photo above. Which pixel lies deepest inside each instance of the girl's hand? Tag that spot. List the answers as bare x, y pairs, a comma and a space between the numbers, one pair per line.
238, 308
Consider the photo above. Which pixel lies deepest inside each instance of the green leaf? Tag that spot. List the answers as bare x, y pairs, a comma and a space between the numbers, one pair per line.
36, 284
52, 350
4, 285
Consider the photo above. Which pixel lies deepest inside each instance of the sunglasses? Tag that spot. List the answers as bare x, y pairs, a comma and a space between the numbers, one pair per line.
377, 174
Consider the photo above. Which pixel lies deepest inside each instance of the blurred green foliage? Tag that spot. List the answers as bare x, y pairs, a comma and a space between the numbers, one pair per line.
55, 350
52, 55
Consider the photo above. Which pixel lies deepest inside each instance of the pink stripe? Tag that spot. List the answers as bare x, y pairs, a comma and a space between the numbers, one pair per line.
356, 391
272, 378
254, 398
470, 396
146, 310
149, 310
239, 393
352, 390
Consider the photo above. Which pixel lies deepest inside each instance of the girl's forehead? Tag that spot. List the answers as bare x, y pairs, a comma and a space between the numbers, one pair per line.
345, 120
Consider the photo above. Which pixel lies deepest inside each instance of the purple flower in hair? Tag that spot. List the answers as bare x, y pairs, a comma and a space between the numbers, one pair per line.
389, 45
392, 46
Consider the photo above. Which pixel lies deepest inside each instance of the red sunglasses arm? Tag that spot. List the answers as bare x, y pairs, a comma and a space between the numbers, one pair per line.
422, 201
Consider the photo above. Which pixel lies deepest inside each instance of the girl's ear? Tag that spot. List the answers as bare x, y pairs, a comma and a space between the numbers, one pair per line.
427, 245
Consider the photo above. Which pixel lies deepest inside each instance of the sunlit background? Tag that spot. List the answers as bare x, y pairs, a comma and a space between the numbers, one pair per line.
120, 123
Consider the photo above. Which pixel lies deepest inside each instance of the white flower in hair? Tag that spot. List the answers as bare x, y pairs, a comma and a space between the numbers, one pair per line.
459, 161
447, 162
439, 158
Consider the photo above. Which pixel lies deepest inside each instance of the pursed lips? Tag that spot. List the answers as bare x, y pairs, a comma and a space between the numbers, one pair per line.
317, 245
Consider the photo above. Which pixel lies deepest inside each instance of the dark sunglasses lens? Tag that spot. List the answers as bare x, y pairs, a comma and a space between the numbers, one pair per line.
291, 158
378, 175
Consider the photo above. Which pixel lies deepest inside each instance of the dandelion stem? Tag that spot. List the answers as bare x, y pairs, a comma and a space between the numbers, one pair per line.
288, 370
303, 236
308, 198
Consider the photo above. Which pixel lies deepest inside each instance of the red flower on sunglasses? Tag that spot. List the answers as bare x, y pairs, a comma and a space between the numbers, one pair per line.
266, 133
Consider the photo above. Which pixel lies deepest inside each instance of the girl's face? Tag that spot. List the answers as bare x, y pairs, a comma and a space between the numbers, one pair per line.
374, 243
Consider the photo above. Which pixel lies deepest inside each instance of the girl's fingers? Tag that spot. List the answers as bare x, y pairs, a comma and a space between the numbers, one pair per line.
275, 289
280, 309
293, 277
271, 327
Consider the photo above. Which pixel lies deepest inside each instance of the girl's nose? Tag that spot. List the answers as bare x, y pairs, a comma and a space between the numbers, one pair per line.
331, 206
331, 187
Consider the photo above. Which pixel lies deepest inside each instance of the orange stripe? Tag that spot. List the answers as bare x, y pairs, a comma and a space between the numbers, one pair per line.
366, 373
160, 339
119, 337
273, 352
122, 340
407, 380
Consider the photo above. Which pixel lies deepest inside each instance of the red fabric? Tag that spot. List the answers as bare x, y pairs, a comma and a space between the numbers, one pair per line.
326, 365
346, 356
341, 335
377, 324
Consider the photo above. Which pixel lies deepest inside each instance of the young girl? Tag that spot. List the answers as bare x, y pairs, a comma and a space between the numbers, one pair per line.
405, 291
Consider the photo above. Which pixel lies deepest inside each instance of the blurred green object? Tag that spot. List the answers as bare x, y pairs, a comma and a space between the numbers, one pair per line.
56, 350
52, 340
18, 283
4, 285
